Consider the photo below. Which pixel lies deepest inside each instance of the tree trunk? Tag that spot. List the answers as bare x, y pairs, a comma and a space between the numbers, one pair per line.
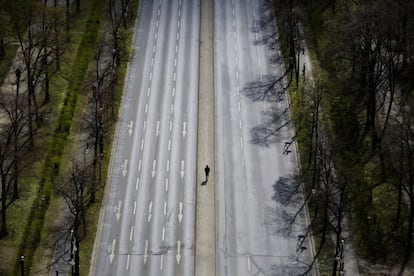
3, 229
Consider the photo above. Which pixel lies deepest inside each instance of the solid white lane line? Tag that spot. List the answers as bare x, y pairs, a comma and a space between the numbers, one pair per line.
135, 208
166, 184
137, 185
131, 233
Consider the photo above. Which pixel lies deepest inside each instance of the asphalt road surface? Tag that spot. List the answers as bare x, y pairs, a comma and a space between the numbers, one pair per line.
257, 194
147, 227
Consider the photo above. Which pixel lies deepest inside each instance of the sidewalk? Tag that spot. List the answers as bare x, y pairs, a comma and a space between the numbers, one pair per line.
205, 234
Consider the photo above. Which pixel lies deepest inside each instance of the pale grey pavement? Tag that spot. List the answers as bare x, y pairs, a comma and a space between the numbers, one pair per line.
257, 194
148, 218
205, 205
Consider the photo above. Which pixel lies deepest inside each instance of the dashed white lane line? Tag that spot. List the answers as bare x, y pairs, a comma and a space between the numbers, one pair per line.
172, 108
237, 61
178, 24
148, 91
234, 22
173, 92
179, 12
153, 48
139, 165
237, 75
176, 48
131, 233
162, 262
146, 108
157, 23
178, 36
159, 11
165, 208
150, 77
235, 47
142, 144
241, 141
240, 123
163, 233
155, 36
137, 185
175, 76
175, 62
127, 264
171, 124
239, 106
168, 165
152, 62
169, 145
145, 125
135, 208
166, 184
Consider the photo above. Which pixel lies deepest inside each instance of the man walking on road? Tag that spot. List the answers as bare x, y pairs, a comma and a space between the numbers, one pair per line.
207, 171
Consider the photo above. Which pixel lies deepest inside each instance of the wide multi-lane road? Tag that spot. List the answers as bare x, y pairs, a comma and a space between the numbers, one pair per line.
147, 226
254, 177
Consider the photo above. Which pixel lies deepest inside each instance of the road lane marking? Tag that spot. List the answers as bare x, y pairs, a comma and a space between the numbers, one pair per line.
135, 208
249, 266
184, 129
155, 36
238, 89
172, 108
178, 256
166, 184
145, 125
150, 77
179, 12
112, 255
142, 144
131, 233
124, 168
178, 36
130, 127
137, 185
168, 165
175, 76
240, 123
150, 211
159, 11
173, 91
239, 106
178, 24
182, 169
118, 210
171, 125
146, 108
146, 252
154, 163
176, 48
237, 61
235, 47
148, 91
237, 75
234, 22
175, 62
163, 233
157, 23
162, 262
139, 165
241, 141
180, 212
165, 208
127, 264
152, 62
158, 129
169, 145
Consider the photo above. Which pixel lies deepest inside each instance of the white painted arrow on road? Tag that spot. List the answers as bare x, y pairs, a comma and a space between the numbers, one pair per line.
178, 256
146, 252
182, 169
150, 211
180, 212
124, 168
118, 210
130, 127
184, 129
112, 255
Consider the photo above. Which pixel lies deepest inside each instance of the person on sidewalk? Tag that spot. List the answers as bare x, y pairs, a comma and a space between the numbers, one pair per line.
207, 172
